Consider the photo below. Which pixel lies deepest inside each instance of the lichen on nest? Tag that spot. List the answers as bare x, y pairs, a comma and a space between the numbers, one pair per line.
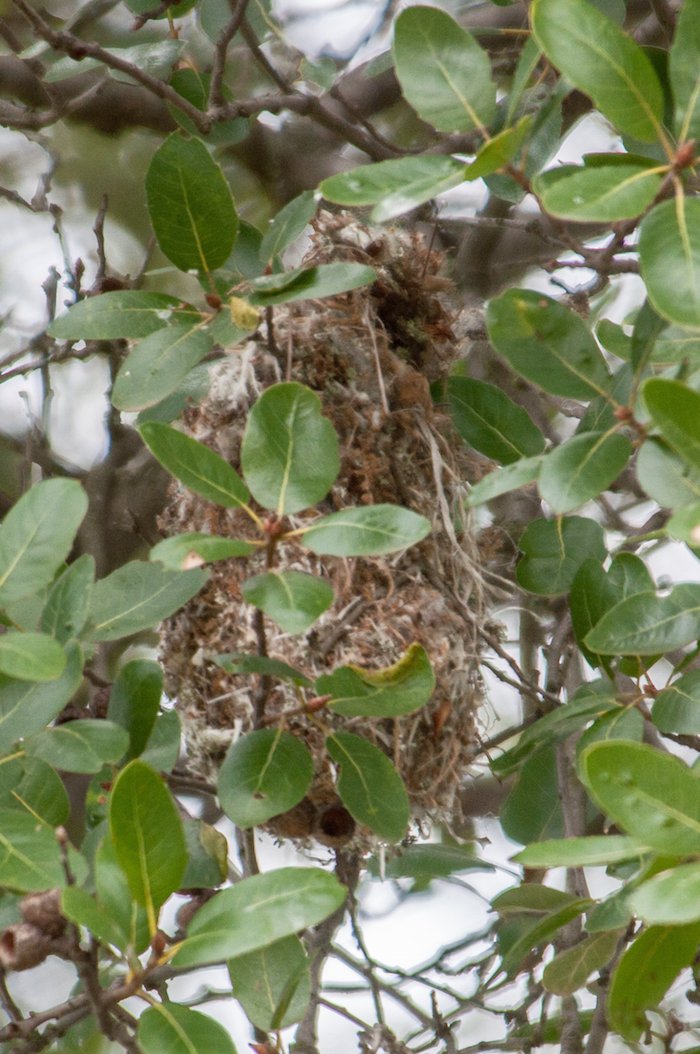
370, 354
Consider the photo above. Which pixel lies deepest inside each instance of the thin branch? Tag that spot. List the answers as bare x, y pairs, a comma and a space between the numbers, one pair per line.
6, 1001
489, 638
390, 989
99, 232
315, 108
79, 49
343, 1012
238, 10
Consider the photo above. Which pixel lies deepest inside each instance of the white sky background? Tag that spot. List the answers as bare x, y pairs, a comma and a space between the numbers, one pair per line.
415, 929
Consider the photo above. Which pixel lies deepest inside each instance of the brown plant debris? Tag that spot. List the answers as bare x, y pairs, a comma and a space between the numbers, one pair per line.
370, 355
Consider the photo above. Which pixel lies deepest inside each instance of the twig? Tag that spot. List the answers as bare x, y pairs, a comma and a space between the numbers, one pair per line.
16, 199
6, 1001
148, 16
371, 965
238, 9
80, 49
390, 989
314, 108
343, 1012
489, 638
377, 363
99, 232
507, 733
246, 849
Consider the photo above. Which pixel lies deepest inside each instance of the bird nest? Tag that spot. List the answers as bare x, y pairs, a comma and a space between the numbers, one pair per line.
370, 355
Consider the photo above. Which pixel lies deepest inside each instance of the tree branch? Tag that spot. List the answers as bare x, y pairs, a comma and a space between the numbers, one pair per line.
79, 49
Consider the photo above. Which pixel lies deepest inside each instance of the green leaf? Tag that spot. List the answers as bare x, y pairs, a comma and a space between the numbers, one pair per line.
262, 665
532, 811
36, 536
175, 552
195, 465
547, 927
30, 856
84, 910
287, 225
547, 343
604, 194
27, 707
671, 898
68, 602
582, 852
648, 325
614, 339
425, 862
322, 72
135, 700
684, 71
389, 692
644, 974
310, 283
163, 747
531, 898
653, 796
675, 408
554, 550
628, 575
190, 205
677, 708
264, 773
38, 789
683, 524
580, 468
501, 480
669, 258
158, 364
137, 596
645, 624
126, 313
156, 59
621, 723
524, 71
568, 971
366, 531
592, 594
499, 150
394, 187
290, 450
195, 86
676, 346
258, 911
207, 852
369, 786
589, 702
260, 981
610, 914
169, 1028
444, 74
665, 477
593, 53
31, 656
115, 897
293, 599
80, 746
190, 390
491, 422
148, 838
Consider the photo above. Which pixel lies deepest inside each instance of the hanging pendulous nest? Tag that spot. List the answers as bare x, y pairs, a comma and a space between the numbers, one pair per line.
371, 355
